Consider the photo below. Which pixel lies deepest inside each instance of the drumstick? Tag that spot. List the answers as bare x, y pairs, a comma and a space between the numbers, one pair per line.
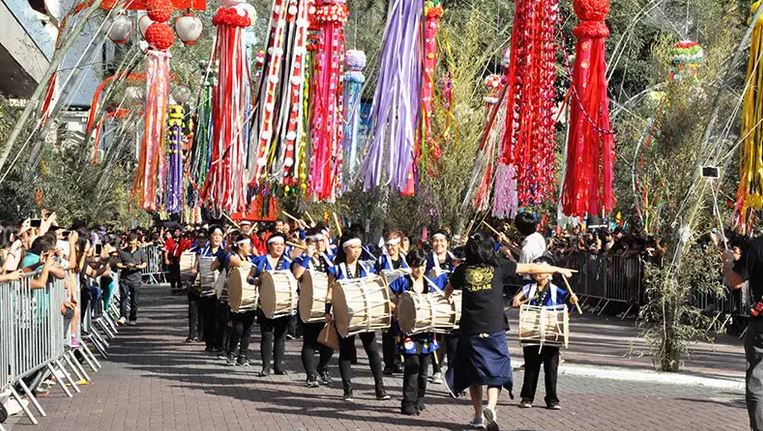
290, 216
490, 227
312, 222
296, 245
469, 228
577, 306
338, 226
231, 220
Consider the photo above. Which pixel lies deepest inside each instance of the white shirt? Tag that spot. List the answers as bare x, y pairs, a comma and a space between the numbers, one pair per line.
533, 247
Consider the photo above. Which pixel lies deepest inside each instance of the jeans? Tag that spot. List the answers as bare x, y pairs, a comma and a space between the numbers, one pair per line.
347, 353
193, 315
414, 381
222, 330
549, 356
753, 349
207, 305
310, 344
241, 332
273, 341
129, 291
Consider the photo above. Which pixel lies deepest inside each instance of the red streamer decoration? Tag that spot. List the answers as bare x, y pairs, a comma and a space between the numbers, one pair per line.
528, 141
327, 126
590, 148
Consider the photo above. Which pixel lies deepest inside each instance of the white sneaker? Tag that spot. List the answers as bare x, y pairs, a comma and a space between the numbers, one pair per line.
491, 419
13, 407
477, 422
121, 321
437, 378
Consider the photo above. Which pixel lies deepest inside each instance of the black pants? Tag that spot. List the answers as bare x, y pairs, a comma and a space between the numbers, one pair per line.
241, 332
129, 295
207, 305
451, 345
549, 356
193, 315
174, 276
391, 358
310, 344
222, 330
273, 341
347, 353
414, 381
295, 326
753, 349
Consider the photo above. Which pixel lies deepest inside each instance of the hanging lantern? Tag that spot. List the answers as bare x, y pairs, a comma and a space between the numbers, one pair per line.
143, 23
188, 27
120, 30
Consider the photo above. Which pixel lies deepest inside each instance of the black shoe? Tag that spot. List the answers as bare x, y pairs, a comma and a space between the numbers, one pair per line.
242, 361
196, 340
230, 360
209, 349
348, 395
409, 411
388, 371
263, 373
381, 395
312, 383
554, 406
397, 369
324, 378
290, 337
189, 340
420, 406
280, 372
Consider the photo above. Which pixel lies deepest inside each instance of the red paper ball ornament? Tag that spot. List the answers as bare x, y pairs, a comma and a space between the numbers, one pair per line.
591, 10
159, 10
160, 36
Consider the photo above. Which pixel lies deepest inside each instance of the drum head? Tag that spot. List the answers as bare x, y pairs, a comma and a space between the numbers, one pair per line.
341, 313
235, 288
267, 295
306, 296
406, 313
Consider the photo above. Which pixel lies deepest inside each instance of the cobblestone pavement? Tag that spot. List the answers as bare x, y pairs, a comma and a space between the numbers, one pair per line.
154, 381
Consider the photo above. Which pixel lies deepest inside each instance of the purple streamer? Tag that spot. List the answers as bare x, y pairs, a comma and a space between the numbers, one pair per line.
174, 195
396, 108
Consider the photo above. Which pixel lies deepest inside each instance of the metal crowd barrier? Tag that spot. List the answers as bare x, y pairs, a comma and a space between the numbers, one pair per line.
153, 272
34, 341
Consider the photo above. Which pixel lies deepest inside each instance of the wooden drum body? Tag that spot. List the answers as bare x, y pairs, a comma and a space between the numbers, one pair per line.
207, 277
278, 294
428, 312
361, 305
312, 296
544, 325
241, 294
390, 275
187, 265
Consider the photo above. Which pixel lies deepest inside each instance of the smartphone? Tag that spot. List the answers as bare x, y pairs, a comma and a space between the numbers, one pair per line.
35, 222
65, 234
98, 248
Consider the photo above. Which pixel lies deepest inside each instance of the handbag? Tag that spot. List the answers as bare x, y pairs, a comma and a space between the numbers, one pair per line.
329, 337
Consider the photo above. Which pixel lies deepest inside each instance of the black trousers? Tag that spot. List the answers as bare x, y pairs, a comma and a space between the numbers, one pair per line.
241, 332
451, 345
174, 276
534, 356
753, 348
222, 329
129, 295
414, 381
347, 353
193, 315
391, 358
207, 305
273, 341
310, 344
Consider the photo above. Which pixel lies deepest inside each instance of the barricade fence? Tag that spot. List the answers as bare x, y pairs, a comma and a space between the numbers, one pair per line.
154, 271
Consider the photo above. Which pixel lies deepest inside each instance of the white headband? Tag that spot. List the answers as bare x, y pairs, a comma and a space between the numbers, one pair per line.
217, 229
440, 235
316, 237
393, 241
352, 242
244, 241
276, 239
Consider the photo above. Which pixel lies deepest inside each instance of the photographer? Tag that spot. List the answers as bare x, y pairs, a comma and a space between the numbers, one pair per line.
132, 260
750, 268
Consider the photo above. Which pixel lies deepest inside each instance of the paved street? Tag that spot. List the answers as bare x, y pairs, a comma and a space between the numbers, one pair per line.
154, 381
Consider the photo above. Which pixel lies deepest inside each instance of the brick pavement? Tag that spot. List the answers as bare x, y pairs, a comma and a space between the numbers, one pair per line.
154, 381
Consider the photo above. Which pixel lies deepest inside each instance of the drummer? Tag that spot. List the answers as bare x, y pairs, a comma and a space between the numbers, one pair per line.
392, 260
273, 341
207, 300
243, 318
222, 308
348, 267
440, 264
418, 348
542, 293
314, 259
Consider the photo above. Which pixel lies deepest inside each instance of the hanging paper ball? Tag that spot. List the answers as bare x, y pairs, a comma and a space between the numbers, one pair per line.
160, 36
591, 10
143, 23
159, 10
231, 3
494, 84
355, 59
134, 93
231, 17
120, 30
247, 9
259, 58
685, 58
188, 27
331, 13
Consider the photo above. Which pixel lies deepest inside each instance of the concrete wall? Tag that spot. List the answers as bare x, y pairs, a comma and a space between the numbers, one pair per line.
26, 46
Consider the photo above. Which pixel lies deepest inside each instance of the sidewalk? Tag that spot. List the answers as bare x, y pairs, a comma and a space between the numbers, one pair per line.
154, 381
